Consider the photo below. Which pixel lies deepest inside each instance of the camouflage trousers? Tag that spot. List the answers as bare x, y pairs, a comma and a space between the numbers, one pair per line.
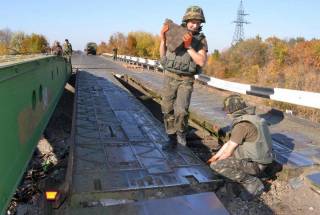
175, 101
68, 58
236, 170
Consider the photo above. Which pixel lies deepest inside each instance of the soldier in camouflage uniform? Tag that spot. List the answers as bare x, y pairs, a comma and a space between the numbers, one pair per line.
248, 151
67, 50
115, 53
56, 48
180, 67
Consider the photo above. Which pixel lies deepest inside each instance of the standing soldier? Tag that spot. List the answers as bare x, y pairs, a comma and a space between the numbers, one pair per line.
248, 152
57, 49
115, 52
180, 67
67, 50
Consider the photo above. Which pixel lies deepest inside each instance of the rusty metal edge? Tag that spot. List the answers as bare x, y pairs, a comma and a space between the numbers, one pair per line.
68, 176
64, 188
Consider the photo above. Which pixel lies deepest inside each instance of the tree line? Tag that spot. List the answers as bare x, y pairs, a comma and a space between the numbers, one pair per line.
138, 43
293, 63
22, 43
273, 62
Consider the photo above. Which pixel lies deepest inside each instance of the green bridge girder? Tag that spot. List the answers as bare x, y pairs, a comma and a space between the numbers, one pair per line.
29, 93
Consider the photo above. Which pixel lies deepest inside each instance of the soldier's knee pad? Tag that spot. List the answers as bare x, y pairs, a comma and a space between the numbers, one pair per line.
181, 112
168, 116
167, 105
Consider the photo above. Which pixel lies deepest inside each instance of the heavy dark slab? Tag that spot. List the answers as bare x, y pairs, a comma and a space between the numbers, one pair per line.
117, 144
174, 36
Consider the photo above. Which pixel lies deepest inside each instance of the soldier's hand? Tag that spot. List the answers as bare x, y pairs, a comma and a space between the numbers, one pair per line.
215, 128
164, 29
213, 159
187, 40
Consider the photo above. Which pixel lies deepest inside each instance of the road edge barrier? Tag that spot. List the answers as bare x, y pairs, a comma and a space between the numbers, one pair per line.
296, 97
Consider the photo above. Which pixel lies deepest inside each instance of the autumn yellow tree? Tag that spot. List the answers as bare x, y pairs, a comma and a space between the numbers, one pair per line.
21, 43
138, 43
118, 40
147, 45
102, 48
38, 43
131, 45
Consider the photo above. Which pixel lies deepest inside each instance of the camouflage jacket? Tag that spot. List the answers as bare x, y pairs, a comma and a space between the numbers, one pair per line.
67, 49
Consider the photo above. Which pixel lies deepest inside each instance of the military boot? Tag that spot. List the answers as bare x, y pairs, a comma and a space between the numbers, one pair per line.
171, 144
251, 188
181, 138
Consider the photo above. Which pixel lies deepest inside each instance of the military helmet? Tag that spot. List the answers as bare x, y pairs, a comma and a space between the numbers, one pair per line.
233, 103
194, 12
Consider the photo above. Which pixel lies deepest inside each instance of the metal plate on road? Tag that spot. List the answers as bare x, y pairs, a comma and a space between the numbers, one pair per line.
118, 143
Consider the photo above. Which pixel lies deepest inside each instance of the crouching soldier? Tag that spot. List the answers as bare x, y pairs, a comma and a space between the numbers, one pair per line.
248, 151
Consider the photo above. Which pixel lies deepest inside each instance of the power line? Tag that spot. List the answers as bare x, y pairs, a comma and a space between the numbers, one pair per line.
239, 30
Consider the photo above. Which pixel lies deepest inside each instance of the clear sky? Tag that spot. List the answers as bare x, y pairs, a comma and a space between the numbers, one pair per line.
82, 21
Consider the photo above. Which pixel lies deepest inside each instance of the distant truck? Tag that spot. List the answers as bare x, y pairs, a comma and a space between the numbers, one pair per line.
91, 48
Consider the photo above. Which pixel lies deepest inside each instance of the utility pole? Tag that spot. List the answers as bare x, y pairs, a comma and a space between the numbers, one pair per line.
239, 30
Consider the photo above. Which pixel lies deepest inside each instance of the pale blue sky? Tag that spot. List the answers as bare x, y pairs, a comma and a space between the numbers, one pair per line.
82, 21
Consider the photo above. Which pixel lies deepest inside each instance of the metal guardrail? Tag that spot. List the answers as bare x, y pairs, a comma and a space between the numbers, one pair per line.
303, 98
154, 64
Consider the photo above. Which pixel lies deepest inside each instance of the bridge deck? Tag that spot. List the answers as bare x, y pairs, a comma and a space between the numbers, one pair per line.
117, 145
295, 142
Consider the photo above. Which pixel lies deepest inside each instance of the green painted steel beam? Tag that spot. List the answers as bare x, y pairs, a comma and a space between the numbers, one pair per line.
29, 93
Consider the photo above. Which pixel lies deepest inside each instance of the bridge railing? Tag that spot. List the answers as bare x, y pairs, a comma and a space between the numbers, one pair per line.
304, 98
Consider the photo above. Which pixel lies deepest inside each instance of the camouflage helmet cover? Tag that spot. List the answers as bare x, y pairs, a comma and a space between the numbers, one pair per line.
233, 103
194, 12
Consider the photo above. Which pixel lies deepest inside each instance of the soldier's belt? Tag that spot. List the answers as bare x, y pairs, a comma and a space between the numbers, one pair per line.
178, 76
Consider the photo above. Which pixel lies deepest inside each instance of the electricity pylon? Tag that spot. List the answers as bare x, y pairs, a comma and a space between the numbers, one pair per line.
239, 30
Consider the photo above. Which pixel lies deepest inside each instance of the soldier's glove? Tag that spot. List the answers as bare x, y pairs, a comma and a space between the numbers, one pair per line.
187, 40
164, 29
